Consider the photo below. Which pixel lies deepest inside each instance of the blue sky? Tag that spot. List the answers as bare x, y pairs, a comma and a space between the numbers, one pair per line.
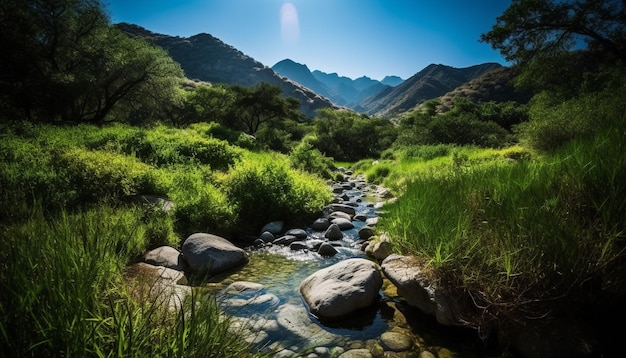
353, 38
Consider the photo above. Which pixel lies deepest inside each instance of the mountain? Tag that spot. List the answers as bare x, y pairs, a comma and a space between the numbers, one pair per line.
392, 81
206, 58
431, 82
494, 85
341, 90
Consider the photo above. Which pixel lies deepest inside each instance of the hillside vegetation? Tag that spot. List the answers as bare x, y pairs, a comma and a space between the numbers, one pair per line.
516, 206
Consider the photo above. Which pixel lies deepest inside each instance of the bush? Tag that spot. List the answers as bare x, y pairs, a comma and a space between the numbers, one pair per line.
200, 205
96, 175
268, 190
304, 157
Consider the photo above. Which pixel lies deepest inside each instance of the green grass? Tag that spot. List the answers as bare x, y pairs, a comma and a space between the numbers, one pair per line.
63, 294
516, 233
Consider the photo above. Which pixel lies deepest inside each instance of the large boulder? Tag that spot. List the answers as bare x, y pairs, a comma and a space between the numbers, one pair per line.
342, 288
211, 254
417, 285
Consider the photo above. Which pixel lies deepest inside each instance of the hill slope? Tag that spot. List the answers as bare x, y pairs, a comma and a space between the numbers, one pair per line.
207, 58
431, 82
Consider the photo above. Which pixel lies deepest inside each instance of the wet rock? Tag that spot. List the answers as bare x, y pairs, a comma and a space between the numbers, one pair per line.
337, 215
298, 245
342, 288
356, 353
396, 342
359, 217
327, 249
343, 223
285, 240
211, 254
320, 224
333, 232
342, 207
267, 236
366, 232
275, 227
296, 320
166, 256
300, 234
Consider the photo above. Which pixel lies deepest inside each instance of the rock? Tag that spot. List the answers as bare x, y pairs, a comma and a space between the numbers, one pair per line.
356, 353
417, 286
298, 245
320, 224
327, 249
267, 236
166, 256
371, 221
296, 320
153, 201
366, 232
342, 288
333, 232
285, 240
158, 284
396, 342
300, 234
211, 254
341, 207
343, 223
275, 227
426, 354
338, 214
360, 217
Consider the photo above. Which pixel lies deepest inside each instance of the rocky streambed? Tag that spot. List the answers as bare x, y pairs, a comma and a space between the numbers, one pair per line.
331, 289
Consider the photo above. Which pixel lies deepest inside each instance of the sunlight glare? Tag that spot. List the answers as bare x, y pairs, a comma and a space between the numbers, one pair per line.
289, 23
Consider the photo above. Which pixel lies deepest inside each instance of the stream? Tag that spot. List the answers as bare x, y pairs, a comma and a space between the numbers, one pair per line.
264, 301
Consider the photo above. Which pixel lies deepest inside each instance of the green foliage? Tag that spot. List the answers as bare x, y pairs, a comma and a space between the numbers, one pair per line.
266, 189
486, 124
64, 294
307, 158
554, 124
535, 28
200, 205
100, 175
68, 63
348, 136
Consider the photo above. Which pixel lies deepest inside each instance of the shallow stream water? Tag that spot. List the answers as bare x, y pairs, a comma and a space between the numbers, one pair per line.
275, 318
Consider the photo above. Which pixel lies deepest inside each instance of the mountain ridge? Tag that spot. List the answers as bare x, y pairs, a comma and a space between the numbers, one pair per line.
207, 58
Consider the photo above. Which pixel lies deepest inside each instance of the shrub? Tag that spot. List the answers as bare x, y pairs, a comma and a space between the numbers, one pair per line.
200, 205
304, 157
97, 175
268, 189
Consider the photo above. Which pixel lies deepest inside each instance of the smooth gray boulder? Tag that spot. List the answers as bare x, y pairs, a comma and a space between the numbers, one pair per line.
342, 288
166, 256
211, 254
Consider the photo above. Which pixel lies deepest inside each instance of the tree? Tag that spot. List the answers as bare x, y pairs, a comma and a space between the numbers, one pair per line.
261, 104
544, 28
63, 61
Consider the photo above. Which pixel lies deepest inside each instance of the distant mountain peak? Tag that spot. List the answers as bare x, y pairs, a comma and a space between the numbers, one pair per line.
207, 58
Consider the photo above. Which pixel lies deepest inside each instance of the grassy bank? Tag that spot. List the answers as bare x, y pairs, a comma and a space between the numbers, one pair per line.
70, 226
527, 233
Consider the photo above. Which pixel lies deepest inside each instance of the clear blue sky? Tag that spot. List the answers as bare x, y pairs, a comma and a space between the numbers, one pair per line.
353, 38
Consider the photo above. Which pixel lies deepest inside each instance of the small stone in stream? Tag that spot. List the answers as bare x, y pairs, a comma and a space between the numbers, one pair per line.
300, 234
320, 224
267, 236
333, 232
327, 249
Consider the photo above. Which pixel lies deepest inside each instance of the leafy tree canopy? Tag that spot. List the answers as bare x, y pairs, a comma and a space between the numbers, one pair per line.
543, 28
62, 60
